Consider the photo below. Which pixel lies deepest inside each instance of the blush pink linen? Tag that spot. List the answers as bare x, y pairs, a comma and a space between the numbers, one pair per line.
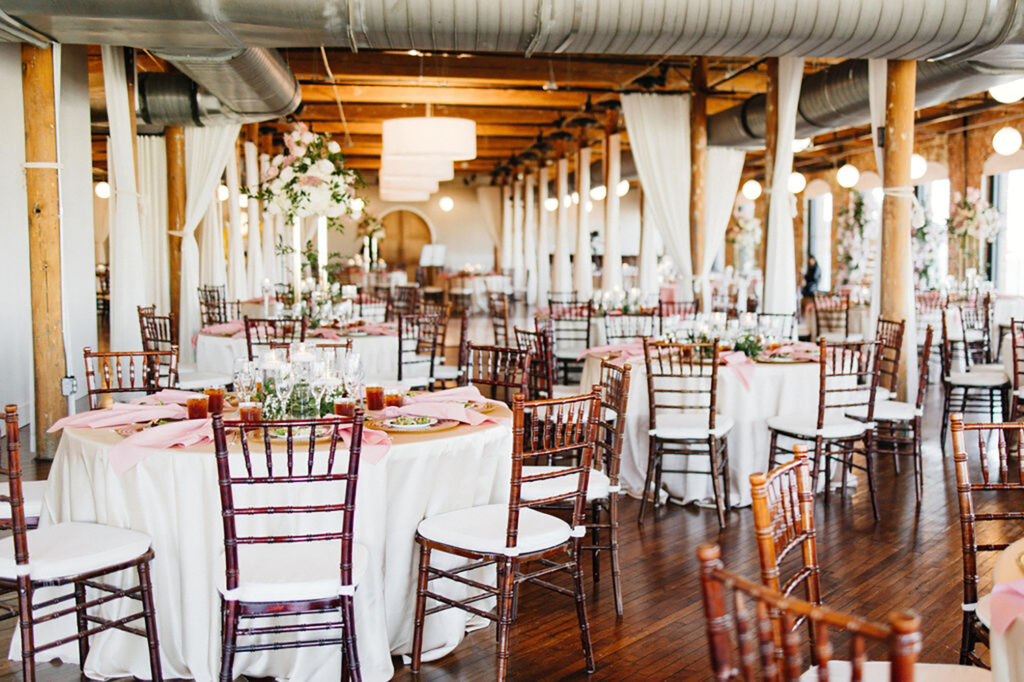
626, 351
120, 414
135, 448
454, 411
1007, 603
167, 396
740, 364
459, 394
801, 350
376, 444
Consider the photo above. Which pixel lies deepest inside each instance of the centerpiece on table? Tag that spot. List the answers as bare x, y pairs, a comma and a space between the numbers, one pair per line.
855, 244
371, 231
744, 233
975, 223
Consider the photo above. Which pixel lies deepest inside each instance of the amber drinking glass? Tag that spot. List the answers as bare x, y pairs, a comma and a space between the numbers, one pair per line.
215, 400
375, 397
198, 407
250, 412
392, 399
345, 407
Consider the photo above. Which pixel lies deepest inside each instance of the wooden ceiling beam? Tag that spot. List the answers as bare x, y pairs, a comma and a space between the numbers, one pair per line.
493, 97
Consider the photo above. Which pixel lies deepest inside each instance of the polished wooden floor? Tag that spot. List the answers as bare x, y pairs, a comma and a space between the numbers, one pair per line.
909, 560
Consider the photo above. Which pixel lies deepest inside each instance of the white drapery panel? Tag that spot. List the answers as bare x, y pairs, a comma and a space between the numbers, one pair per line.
878, 71
490, 205
562, 275
543, 239
582, 267
518, 258
725, 166
530, 237
647, 274
611, 276
254, 250
152, 154
236, 253
206, 154
780, 268
659, 135
271, 271
127, 278
506, 229
213, 266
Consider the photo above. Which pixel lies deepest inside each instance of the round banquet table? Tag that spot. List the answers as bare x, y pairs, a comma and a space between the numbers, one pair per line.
172, 495
379, 353
478, 286
775, 389
1008, 649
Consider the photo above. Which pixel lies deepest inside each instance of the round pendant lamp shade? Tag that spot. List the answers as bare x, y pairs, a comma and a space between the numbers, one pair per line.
440, 136
403, 195
436, 167
410, 182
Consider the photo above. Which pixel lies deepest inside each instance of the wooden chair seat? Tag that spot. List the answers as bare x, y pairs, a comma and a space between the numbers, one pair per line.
308, 572
598, 484
834, 427
70, 549
977, 379
194, 380
691, 426
32, 493
483, 529
446, 373
564, 391
879, 671
887, 411
839, 337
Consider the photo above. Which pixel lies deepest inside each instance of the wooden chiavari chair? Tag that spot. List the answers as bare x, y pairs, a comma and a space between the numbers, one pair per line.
211, 293
682, 391
373, 308
890, 335
1017, 368
570, 324
417, 348
219, 312
160, 333
146, 311
72, 555
127, 372
685, 310
499, 372
264, 331
515, 535
783, 504
832, 315
629, 326
1005, 484
298, 560
557, 298
405, 299
928, 307
781, 325
744, 646
285, 293
848, 378
976, 325
978, 392
542, 361
497, 310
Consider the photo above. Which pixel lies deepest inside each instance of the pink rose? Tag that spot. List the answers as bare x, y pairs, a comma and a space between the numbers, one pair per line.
310, 180
269, 173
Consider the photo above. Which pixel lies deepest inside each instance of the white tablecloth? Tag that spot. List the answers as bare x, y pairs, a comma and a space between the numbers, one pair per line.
379, 353
860, 322
1006, 308
479, 286
774, 389
173, 496
1008, 648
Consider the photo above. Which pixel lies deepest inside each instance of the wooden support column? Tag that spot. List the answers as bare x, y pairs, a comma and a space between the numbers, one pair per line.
771, 136
698, 159
174, 138
41, 190
897, 292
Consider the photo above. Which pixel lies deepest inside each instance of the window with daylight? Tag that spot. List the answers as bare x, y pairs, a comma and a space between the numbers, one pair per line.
819, 236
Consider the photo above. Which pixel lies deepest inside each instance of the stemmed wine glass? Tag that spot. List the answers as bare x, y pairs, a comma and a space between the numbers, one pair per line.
323, 379
353, 374
281, 373
244, 379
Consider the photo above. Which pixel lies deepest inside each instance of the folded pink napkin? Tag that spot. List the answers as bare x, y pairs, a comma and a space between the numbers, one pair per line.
379, 328
166, 396
1007, 604
135, 448
119, 414
455, 411
376, 443
224, 329
801, 350
459, 394
629, 349
739, 363
324, 333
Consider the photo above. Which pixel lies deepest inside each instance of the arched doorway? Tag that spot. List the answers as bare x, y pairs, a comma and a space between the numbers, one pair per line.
405, 234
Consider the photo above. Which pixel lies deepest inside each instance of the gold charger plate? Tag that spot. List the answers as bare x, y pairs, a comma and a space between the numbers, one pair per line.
440, 425
299, 435
782, 361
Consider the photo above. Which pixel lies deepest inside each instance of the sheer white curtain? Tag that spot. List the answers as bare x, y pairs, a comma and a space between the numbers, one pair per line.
518, 258
530, 237
611, 276
206, 154
878, 71
659, 135
780, 269
561, 273
127, 271
543, 239
506, 229
583, 267
271, 271
152, 154
236, 252
213, 266
254, 250
725, 166
490, 205
647, 272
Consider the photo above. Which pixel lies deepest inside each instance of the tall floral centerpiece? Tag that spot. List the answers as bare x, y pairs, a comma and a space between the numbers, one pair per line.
744, 233
929, 237
975, 223
854, 246
370, 229
310, 180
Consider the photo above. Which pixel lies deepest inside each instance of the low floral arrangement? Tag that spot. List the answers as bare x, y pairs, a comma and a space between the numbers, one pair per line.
369, 226
973, 216
744, 231
929, 238
854, 247
311, 180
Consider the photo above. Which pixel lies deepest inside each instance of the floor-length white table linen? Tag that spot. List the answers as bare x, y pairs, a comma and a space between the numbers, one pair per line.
1007, 649
173, 496
478, 286
775, 389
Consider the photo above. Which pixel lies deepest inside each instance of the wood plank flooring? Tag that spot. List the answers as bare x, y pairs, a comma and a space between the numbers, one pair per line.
910, 559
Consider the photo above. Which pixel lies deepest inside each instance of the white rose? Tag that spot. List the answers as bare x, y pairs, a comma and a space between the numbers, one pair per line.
277, 184
333, 147
335, 211
277, 160
306, 137
287, 174
273, 208
325, 167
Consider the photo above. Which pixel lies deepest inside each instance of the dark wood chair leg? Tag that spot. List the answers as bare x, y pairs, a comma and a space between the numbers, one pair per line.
82, 623
716, 481
230, 636
725, 473
581, 609
651, 457
613, 533
772, 448
508, 576
28, 646
944, 426
149, 619
869, 455
595, 540
350, 657
421, 608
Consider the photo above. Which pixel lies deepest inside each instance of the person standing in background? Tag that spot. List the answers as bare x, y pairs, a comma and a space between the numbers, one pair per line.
811, 278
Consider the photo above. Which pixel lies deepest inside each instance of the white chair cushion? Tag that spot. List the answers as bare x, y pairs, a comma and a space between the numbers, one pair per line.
878, 671
597, 484
887, 411
882, 393
446, 372
682, 425
839, 337
977, 379
564, 391
191, 380
835, 427
32, 493
297, 572
984, 610
482, 529
68, 549
569, 354
974, 335
989, 367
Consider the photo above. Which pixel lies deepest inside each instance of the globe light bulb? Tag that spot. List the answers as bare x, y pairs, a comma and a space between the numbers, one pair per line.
1006, 141
847, 176
751, 189
797, 182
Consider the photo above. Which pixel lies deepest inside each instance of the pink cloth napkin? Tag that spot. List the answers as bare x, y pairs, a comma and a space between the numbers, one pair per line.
135, 448
739, 363
801, 350
324, 333
167, 396
455, 411
459, 394
379, 328
376, 443
120, 414
1007, 604
630, 349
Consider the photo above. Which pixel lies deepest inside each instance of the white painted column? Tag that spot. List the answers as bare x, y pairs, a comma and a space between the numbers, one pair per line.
647, 274
254, 251
543, 239
530, 237
518, 261
611, 277
506, 228
562, 282
582, 271
236, 288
